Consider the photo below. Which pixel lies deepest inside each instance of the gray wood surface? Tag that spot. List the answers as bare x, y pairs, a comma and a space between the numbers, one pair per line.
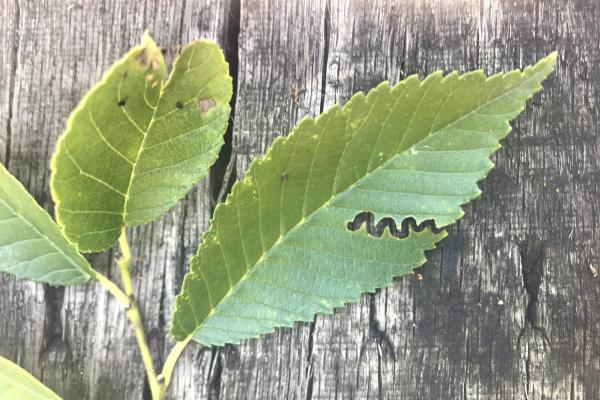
507, 307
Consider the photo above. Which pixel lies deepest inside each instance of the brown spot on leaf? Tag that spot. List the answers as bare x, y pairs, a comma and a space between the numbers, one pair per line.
121, 102
179, 105
206, 104
142, 58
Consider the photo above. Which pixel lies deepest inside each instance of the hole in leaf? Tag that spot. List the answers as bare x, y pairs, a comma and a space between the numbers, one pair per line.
376, 230
206, 104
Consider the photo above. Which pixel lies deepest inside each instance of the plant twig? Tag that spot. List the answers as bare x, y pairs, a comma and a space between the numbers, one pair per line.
112, 288
164, 378
134, 316
158, 383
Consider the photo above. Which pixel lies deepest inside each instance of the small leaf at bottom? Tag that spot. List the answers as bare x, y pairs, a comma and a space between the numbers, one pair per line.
18, 384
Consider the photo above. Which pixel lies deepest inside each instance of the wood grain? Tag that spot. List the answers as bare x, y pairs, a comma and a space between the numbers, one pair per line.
504, 310
507, 307
77, 340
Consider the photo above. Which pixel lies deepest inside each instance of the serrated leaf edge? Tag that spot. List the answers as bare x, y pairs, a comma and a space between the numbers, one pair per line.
550, 59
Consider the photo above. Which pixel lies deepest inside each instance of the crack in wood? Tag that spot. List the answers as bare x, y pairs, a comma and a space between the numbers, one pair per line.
222, 173
532, 253
532, 269
53, 324
376, 332
56, 349
13, 79
383, 342
381, 337
308, 371
181, 20
215, 374
326, 40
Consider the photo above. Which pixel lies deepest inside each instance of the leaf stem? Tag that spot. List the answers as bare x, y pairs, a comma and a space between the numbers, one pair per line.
164, 378
158, 383
124, 262
112, 288
134, 316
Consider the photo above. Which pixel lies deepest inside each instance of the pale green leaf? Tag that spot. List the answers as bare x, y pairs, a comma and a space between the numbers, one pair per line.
18, 384
31, 245
279, 249
134, 147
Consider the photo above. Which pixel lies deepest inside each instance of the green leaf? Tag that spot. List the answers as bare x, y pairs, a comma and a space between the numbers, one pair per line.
18, 384
134, 147
280, 250
31, 245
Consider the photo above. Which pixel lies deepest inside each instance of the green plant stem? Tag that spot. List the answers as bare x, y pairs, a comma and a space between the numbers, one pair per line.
158, 383
134, 316
112, 288
165, 377
127, 298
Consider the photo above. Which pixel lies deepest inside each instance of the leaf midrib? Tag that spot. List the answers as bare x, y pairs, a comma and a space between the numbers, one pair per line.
140, 150
302, 222
153, 119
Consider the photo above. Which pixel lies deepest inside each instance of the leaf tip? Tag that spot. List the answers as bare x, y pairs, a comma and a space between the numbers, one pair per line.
147, 39
548, 63
550, 60
150, 55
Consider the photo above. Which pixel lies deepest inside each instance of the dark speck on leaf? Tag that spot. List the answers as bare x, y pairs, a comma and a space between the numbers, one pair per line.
179, 105
121, 102
284, 178
206, 104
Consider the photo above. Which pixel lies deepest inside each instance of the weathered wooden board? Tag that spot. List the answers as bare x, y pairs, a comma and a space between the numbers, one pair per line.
507, 307
78, 340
